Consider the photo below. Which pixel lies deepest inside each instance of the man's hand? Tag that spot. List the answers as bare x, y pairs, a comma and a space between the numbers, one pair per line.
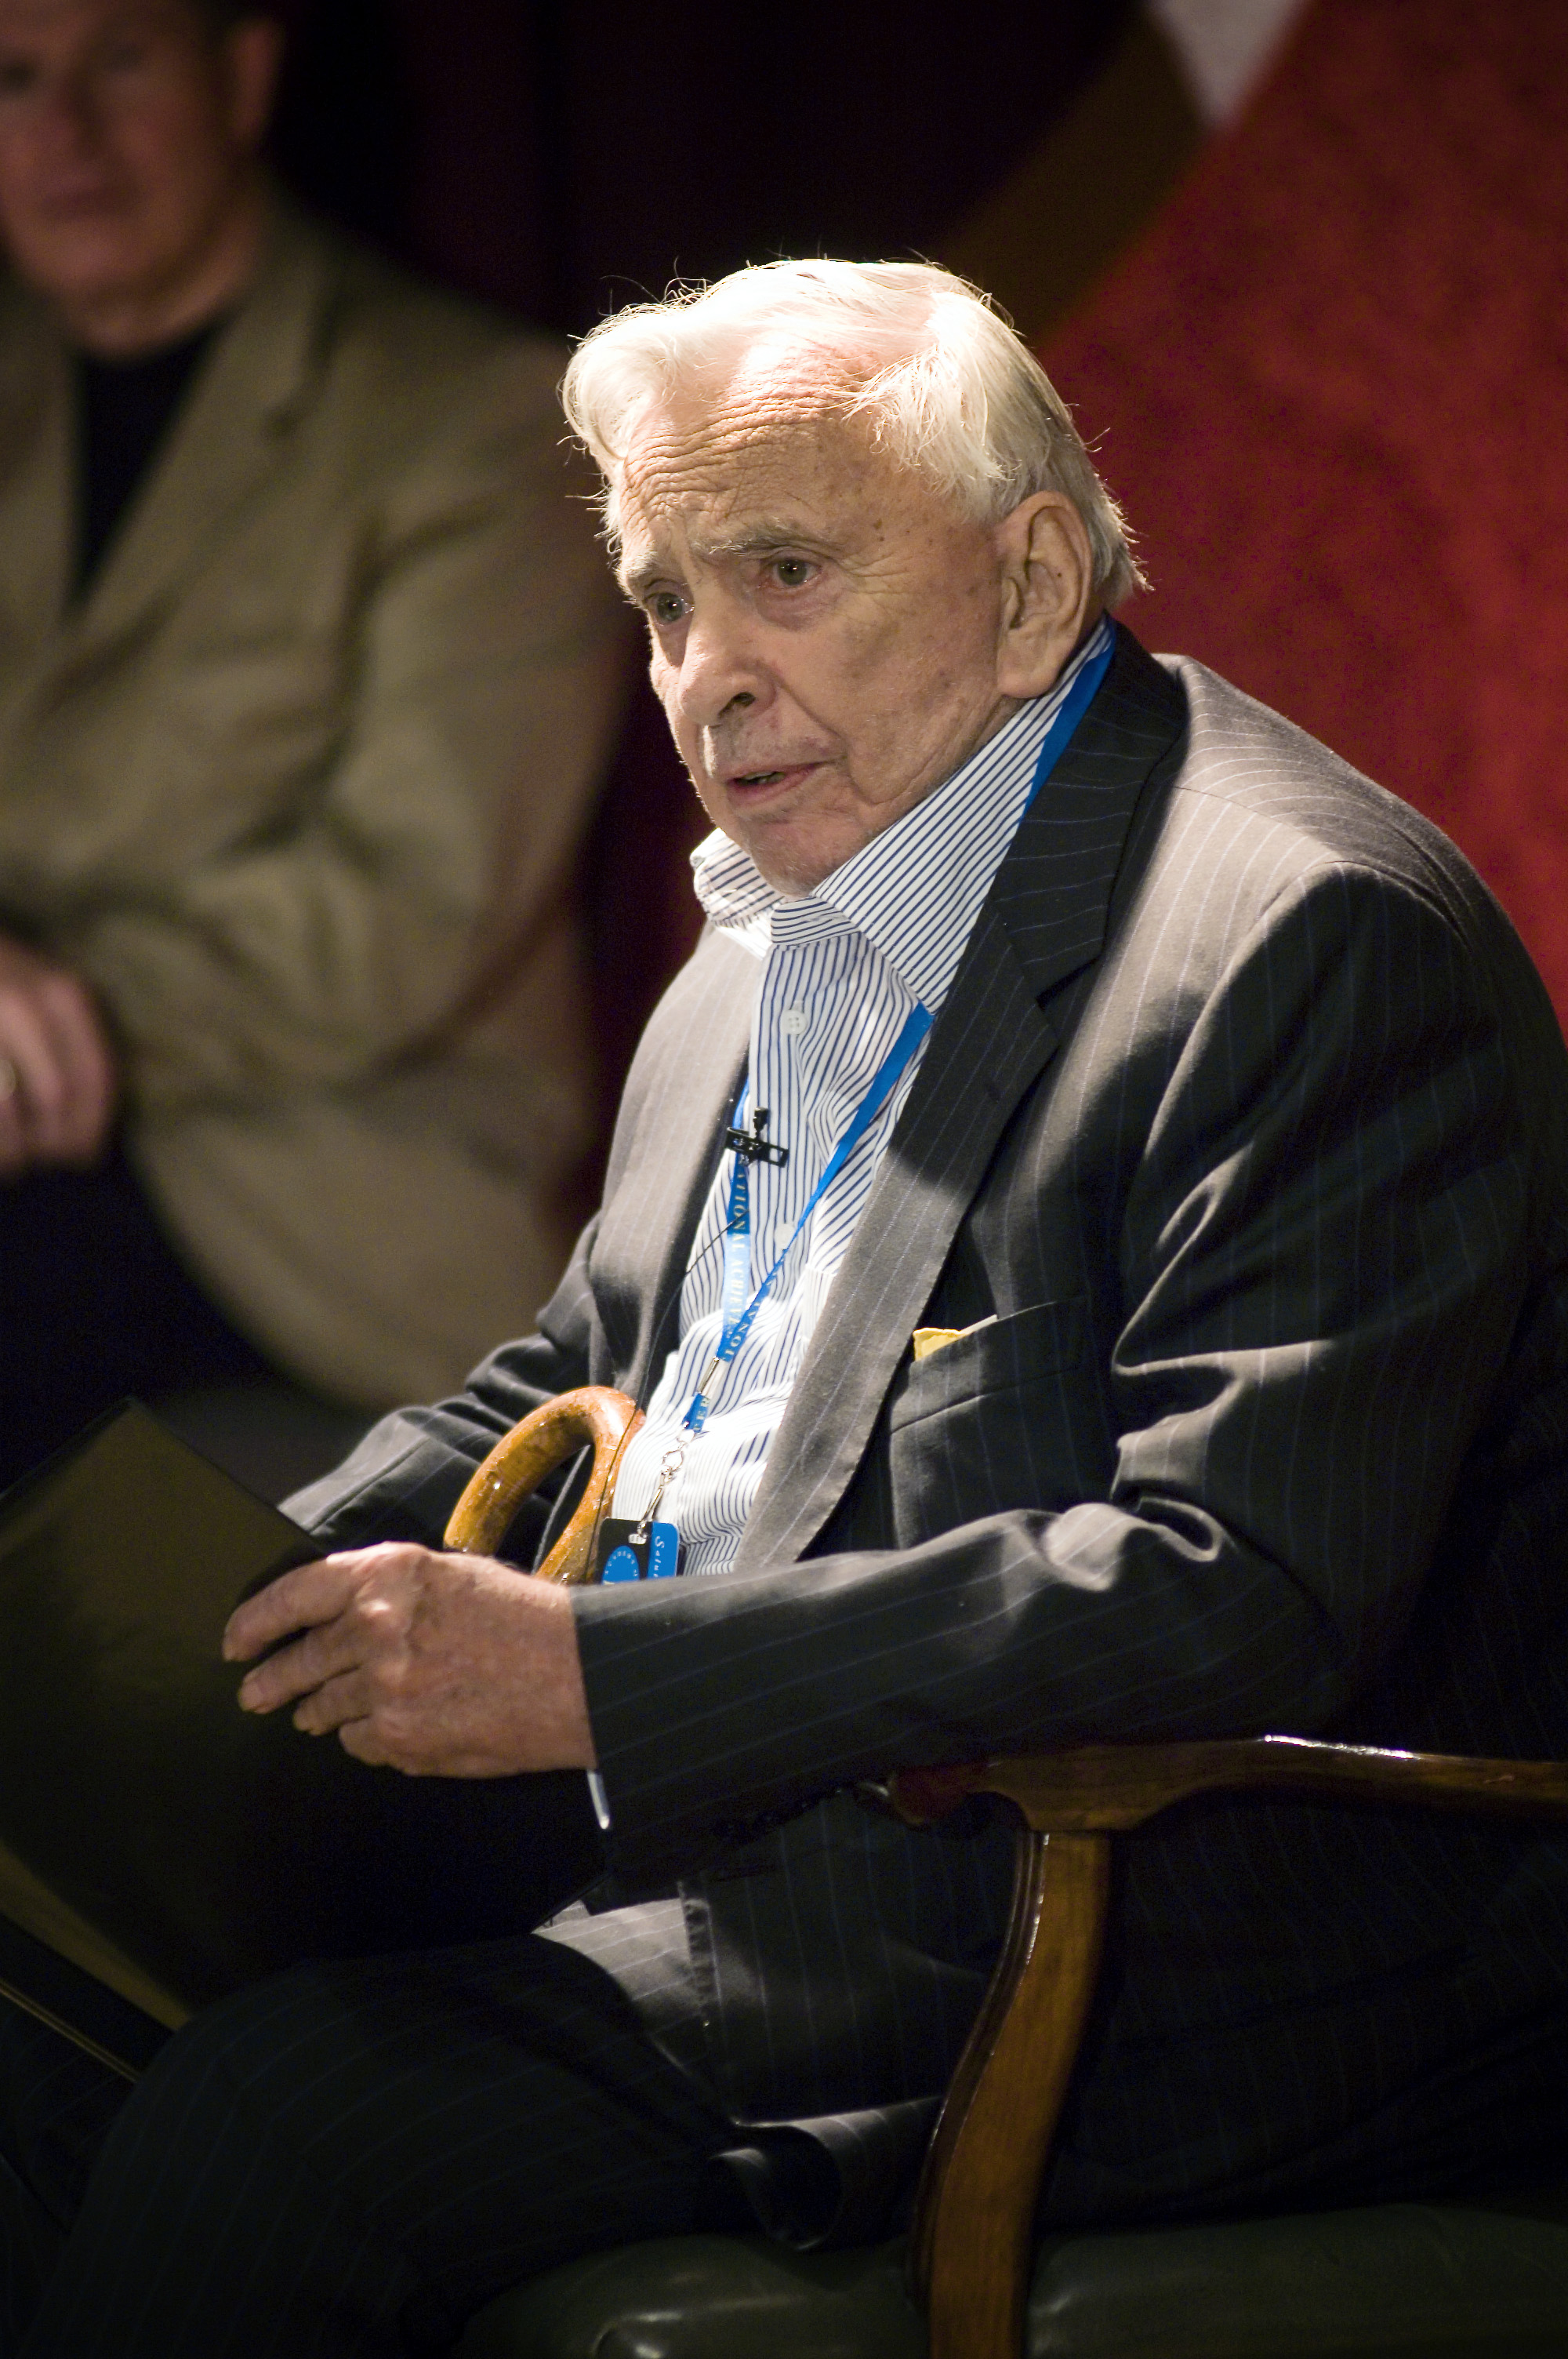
57, 1069
442, 1665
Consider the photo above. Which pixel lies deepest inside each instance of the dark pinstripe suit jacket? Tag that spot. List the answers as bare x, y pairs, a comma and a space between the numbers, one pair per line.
1245, 1132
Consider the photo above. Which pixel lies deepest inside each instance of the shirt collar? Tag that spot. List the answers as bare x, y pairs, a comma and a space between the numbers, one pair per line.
917, 889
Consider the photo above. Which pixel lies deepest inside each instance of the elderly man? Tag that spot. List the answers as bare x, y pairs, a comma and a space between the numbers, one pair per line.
1151, 1319
308, 668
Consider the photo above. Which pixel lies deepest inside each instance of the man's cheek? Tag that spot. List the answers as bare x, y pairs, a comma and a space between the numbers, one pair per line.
664, 677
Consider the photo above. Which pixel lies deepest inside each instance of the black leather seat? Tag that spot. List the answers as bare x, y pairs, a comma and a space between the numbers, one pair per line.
1392, 2281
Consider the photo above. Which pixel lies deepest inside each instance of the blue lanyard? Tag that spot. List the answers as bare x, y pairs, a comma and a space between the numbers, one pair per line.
739, 1315
1079, 698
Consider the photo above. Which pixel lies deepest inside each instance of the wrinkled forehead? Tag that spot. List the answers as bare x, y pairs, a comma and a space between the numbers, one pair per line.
771, 440
713, 430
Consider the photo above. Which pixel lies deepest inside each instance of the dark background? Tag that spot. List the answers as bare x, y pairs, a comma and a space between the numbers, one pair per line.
567, 159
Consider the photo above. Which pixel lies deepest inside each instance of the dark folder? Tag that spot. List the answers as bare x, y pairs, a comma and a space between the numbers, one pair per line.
159, 1847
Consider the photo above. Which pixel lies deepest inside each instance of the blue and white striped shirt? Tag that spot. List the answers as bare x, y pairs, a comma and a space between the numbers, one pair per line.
841, 971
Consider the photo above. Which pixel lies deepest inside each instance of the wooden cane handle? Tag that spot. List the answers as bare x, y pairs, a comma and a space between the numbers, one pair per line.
595, 1414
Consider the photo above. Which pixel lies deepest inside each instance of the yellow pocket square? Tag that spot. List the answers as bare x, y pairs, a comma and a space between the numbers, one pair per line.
927, 1339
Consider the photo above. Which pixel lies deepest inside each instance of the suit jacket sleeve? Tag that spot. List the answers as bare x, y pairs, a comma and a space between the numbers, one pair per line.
407, 1474
1319, 1250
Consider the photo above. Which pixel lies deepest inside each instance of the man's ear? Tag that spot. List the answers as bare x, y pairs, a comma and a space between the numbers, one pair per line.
1048, 593
252, 62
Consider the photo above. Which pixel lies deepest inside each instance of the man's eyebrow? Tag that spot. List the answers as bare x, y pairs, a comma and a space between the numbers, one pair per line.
763, 537
637, 580
759, 539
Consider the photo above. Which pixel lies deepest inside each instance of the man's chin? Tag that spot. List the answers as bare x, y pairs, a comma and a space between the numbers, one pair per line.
85, 265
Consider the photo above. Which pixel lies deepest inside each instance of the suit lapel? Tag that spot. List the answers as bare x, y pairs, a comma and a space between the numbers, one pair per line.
35, 476
1043, 922
663, 1167
225, 443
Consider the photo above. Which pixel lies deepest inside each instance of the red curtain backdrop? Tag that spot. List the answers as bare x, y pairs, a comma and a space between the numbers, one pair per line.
1331, 387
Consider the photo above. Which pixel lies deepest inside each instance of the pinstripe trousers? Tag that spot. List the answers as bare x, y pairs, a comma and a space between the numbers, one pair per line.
350, 2158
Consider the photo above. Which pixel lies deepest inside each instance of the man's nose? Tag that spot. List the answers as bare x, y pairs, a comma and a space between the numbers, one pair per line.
721, 667
69, 119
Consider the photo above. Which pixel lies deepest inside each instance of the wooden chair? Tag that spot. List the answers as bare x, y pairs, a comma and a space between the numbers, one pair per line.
973, 2248
974, 2222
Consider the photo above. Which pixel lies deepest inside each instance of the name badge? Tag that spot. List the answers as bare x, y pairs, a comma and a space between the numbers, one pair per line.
621, 1557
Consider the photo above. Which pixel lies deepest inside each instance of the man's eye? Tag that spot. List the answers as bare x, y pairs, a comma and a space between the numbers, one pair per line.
667, 608
793, 572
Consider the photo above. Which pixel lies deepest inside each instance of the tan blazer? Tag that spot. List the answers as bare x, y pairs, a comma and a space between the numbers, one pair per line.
298, 788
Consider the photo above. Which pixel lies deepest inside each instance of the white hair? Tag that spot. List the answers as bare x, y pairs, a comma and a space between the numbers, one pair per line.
945, 385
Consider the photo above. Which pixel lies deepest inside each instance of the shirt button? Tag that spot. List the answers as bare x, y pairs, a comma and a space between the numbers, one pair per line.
792, 1024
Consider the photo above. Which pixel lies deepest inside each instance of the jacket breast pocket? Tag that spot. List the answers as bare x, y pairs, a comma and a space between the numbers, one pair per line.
1004, 1417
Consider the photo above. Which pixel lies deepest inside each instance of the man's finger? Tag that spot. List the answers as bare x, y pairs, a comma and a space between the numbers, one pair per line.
311, 1593
333, 1702
324, 1654
40, 1088
56, 1059
80, 1117
363, 1739
13, 1129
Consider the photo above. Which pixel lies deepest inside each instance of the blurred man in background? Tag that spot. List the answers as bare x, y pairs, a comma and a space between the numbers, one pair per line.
308, 670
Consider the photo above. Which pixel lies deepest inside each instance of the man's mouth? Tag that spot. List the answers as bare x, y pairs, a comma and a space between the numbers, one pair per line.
753, 781
75, 205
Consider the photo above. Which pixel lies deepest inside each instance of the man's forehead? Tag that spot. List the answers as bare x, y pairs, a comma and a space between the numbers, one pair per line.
708, 438
747, 465
57, 20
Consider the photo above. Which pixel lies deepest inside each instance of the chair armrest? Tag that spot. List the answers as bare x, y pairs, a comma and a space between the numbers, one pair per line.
1112, 1787
974, 2216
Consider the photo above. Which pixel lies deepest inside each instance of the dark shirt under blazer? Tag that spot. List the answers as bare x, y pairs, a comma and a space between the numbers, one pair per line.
1245, 1131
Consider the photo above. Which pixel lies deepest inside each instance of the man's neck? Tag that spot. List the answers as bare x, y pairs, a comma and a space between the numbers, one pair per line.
125, 324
